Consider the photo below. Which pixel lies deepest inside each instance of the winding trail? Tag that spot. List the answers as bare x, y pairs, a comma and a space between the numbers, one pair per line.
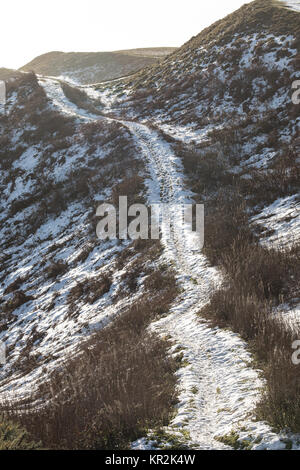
218, 389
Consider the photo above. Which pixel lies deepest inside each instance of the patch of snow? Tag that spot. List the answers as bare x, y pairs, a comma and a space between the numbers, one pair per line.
282, 220
294, 4
28, 160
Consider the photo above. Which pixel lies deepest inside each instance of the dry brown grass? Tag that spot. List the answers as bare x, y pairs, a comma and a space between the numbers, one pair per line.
89, 290
18, 299
257, 279
55, 269
80, 98
282, 179
131, 187
121, 382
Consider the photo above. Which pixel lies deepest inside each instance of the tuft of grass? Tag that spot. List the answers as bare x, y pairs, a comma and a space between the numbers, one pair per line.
167, 440
232, 440
14, 437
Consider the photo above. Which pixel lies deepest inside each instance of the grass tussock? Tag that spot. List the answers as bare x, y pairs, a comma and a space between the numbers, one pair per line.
14, 437
80, 98
89, 290
130, 186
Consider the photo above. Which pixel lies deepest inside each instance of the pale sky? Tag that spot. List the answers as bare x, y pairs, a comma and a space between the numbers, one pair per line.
32, 27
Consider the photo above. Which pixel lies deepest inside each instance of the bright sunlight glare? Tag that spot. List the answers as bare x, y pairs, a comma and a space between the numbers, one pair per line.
32, 27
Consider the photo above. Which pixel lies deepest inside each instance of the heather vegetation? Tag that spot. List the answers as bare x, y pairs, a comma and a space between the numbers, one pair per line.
13, 437
271, 14
258, 279
78, 97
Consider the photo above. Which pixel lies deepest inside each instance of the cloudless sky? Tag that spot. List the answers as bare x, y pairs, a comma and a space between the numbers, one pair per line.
32, 27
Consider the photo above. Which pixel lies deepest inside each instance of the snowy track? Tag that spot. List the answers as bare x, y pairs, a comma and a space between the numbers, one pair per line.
218, 389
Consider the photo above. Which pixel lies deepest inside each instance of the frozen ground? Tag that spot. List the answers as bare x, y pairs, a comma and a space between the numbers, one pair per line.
218, 388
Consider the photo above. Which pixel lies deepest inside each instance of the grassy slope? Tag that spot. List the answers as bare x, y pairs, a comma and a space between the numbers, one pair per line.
258, 279
149, 51
267, 16
128, 366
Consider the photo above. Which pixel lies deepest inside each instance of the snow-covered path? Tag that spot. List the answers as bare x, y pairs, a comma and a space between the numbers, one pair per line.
218, 389
59, 101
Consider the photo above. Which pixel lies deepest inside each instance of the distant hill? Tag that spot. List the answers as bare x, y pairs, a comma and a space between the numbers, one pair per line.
92, 67
6, 74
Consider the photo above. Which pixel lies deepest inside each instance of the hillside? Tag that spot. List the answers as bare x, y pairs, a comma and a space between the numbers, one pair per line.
148, 344
224, 103
6, 74
93, 67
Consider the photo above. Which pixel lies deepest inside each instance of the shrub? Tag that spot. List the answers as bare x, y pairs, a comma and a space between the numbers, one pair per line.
14, 285
98, 287
14, 437
131, 187
55, 269
256, 269
52, 125
258, 278
225, 221
90, 290
158, 280
206, 170
19, 298
80, 98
